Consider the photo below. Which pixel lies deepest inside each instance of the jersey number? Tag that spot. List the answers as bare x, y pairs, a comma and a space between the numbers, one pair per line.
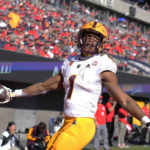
71, 83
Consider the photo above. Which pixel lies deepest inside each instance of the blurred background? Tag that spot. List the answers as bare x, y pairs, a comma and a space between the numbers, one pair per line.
37, 35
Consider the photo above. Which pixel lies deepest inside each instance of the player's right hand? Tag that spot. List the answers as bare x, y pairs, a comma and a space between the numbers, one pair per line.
6, 94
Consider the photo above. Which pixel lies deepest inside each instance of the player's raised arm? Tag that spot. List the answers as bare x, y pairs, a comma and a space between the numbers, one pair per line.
53, 83
109, 79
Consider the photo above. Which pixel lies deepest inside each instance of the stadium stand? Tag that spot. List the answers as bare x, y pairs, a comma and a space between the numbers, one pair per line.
144, 4
51, 30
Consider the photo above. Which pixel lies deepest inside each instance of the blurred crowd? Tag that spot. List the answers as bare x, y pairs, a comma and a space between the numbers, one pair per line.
143, 4
36, 28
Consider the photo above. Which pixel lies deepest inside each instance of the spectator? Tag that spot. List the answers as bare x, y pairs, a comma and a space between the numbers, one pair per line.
122, 128
22, 47
50, 53
14, 18
101, 128
55, 28
148, 58
10, 46
8, 139
38, 137
2, 23
110, 107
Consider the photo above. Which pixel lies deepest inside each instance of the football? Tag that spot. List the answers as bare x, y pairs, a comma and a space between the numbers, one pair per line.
3, 94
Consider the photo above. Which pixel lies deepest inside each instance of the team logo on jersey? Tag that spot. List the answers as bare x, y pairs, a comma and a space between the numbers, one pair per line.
78, 66
94, 63
87, 66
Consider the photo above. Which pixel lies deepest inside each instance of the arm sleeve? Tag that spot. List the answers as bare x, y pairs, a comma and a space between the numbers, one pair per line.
29, 135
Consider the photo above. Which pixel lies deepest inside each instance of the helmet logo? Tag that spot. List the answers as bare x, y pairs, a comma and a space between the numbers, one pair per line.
78, 66
94, 24
94, 63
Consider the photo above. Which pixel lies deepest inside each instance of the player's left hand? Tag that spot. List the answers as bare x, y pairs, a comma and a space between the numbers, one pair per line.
5, 94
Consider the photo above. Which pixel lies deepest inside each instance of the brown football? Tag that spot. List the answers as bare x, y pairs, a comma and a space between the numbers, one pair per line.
3, 93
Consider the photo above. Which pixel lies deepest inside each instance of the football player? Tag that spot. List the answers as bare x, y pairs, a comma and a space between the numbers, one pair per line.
82, 78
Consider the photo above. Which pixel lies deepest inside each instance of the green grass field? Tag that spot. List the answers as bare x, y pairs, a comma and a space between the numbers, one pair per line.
131, 148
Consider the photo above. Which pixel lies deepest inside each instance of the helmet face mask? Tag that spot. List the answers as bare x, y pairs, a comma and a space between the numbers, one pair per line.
91, 40
90, 43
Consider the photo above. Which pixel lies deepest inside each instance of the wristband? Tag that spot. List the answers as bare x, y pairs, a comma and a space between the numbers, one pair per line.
145, 120
19, 93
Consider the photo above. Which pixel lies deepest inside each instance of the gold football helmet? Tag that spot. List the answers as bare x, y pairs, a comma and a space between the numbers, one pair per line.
95, 28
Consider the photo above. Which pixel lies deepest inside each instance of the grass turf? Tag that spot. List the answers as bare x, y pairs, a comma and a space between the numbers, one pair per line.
147, 147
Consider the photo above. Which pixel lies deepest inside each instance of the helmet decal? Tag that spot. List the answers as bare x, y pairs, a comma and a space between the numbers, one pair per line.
94, 24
